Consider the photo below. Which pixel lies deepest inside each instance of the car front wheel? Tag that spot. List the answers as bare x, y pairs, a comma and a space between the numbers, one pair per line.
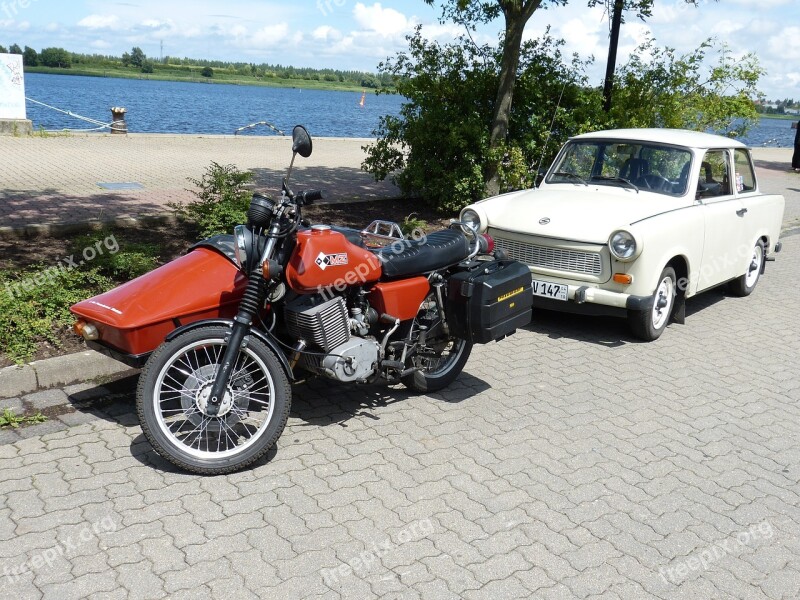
648, 325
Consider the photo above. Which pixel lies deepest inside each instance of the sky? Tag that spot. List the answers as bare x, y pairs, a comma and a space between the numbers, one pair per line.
349, 34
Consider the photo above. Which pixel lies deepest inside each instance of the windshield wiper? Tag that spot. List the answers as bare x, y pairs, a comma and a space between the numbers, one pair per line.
571, 175
619, 179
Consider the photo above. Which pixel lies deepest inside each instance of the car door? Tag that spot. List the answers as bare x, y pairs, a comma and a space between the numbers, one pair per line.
723, 217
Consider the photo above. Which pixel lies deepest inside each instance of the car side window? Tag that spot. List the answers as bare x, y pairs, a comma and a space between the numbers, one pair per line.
744, 179
714, 179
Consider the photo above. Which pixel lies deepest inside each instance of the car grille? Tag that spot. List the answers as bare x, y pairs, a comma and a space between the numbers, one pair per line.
572, 261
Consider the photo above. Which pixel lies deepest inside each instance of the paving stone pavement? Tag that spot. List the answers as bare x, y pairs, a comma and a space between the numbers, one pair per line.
55, 179
568, 461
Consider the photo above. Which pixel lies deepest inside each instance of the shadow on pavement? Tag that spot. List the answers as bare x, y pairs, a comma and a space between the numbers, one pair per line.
610, 332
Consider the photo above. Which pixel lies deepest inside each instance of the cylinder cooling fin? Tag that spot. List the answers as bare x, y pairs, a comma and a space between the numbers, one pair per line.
322, 324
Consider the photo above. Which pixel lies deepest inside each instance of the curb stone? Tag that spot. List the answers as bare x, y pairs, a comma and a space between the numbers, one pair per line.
58, 371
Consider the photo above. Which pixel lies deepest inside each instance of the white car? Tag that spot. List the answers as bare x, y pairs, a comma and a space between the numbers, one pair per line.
631, 222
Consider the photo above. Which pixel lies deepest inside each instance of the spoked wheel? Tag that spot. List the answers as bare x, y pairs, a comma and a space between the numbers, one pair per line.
441, 358
648, 325
172, 402
745, 284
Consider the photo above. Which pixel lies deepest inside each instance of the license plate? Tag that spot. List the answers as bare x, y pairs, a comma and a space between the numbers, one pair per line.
554, 291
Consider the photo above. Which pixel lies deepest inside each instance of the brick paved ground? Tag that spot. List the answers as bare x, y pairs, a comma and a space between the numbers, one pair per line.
49, 180
566, 462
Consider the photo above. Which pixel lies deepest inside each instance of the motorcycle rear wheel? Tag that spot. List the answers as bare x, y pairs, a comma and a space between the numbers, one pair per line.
441, 361
172, 399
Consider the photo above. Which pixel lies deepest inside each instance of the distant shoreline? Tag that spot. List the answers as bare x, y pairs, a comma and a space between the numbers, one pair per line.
220, 77
781, 117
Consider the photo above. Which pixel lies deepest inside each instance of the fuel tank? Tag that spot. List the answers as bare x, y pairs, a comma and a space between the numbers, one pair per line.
135, 317
325, 259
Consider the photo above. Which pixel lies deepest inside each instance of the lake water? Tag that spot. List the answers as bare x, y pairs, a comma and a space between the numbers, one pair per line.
185, 107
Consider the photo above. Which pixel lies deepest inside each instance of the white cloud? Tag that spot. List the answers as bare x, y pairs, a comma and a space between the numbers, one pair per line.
266, 37
100, 45
384, 21
326, 33
99, 22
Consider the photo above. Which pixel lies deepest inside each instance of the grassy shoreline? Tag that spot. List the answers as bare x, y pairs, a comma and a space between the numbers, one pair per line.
193, 76
781, 117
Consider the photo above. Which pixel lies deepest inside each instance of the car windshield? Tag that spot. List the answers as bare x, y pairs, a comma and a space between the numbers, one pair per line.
631, 165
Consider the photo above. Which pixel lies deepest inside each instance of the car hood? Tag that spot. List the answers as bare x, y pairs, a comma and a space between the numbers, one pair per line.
585, 214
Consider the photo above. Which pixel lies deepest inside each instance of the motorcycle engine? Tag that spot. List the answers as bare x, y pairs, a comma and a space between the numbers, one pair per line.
325, 326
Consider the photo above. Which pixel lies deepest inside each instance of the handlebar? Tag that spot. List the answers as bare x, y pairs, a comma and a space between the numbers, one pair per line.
308, 198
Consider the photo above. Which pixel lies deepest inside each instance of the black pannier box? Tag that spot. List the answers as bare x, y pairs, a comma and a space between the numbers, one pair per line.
488, 300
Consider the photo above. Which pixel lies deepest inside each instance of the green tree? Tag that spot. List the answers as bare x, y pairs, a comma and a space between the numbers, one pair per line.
55, 57
15, 49
3, 49
147, 67
137, 57
439, 145
688, 91
30, 58
207, 72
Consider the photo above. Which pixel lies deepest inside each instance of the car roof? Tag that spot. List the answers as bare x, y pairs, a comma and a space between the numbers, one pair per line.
675, 137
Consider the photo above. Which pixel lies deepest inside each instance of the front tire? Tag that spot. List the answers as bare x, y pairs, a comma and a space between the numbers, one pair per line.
172, 396
745, 284
648, 325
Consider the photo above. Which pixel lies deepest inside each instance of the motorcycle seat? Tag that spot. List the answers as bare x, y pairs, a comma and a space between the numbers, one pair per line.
435, 251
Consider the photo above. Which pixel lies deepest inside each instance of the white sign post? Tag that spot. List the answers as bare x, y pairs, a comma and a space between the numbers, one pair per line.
13, 115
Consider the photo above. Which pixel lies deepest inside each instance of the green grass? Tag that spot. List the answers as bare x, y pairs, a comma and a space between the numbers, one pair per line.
9, 419
192, 74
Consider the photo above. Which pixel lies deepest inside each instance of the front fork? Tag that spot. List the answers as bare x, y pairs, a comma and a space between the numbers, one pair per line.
248, 309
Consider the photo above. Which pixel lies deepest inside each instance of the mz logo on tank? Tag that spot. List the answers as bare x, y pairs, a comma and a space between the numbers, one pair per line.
331, 260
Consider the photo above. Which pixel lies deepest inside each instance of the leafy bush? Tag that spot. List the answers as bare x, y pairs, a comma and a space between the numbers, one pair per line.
34, 305
222, 200
207, 72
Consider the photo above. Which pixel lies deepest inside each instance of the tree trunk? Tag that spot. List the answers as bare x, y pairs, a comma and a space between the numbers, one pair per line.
516, 16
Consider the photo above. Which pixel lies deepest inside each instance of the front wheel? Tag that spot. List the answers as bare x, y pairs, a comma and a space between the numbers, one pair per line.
648, 325
172, 402
745, 284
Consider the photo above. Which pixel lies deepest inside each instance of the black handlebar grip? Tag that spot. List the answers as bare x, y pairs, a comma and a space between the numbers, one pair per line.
312, 196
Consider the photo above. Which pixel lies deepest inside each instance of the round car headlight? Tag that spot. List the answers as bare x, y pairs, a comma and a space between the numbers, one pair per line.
241, 238
623, 245
472, 219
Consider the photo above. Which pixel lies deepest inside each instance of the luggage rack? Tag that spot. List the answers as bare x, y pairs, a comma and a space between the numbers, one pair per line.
379, 234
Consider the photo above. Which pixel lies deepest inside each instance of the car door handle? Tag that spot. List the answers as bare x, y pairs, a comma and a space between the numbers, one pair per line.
741, 212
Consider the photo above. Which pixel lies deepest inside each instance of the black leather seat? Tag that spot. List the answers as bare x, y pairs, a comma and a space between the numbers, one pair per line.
437, 250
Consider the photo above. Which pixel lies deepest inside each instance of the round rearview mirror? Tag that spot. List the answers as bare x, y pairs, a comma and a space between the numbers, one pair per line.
301, 141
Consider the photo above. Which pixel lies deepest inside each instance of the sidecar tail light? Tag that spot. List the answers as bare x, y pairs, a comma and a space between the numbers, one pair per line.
86, 330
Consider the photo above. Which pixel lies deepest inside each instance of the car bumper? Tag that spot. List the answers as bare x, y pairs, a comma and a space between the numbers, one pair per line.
595, 301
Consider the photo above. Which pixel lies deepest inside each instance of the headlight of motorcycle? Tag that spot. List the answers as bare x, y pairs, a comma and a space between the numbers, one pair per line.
623, 245
471, 218
241, 245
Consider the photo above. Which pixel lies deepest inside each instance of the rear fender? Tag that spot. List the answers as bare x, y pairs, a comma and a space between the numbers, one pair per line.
268, 339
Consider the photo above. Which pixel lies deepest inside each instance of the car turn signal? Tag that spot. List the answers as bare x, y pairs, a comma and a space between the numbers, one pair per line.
623, 278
